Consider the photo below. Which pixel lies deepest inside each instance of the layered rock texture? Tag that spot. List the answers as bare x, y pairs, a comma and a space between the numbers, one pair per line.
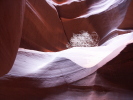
45, 69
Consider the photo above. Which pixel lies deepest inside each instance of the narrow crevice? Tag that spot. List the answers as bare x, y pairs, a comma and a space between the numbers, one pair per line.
62, 24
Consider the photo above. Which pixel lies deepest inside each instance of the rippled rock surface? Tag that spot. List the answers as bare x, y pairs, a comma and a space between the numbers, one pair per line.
46, 69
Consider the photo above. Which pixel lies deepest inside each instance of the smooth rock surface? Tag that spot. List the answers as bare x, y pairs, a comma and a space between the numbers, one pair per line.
47, 26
